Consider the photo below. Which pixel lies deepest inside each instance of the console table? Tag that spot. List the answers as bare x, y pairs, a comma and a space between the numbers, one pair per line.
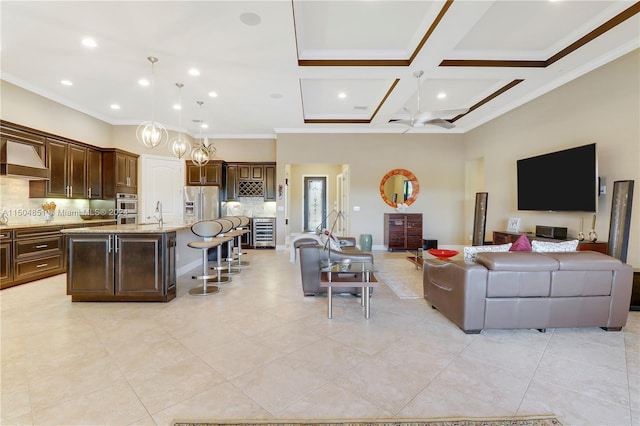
502, 237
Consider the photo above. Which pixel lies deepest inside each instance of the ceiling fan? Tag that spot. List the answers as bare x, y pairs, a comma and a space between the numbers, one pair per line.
435, 118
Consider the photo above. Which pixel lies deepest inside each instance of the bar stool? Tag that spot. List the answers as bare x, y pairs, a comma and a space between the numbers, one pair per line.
234, 233
226, 232
207, 229
244, 229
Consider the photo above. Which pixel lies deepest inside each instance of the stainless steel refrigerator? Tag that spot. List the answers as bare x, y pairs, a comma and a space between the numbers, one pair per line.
201, 203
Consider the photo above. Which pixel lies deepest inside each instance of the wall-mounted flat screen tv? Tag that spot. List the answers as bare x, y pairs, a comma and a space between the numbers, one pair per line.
564, 180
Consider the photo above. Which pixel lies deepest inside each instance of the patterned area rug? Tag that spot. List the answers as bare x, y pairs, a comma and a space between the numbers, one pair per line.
401, 276
502, 421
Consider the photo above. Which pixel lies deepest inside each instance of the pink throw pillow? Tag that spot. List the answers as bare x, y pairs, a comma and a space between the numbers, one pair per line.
521, 244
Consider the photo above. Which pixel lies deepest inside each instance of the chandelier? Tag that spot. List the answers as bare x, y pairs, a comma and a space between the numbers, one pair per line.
179, 145
150, 133
205, 151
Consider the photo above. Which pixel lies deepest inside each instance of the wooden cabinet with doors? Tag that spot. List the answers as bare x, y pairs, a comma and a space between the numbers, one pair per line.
211, 174
94, 174
502, 237
403, 231
6, 258
119, 173
270, 191
121, 267
67, 163
231, 182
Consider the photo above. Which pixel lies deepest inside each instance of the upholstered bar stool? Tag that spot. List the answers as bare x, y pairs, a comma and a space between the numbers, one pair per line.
244, 229
208, 231
224, 271
229, 223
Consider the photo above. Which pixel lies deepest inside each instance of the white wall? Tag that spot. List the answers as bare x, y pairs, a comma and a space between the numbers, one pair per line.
602, 107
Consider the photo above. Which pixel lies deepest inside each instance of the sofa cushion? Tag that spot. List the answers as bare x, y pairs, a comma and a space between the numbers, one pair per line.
586, 261
548, 246
521, 244
517, 261
518, 284
470, 253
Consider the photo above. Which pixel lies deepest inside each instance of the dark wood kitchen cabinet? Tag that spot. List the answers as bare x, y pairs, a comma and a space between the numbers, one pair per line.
94, 174
121, 267
403, 231
119, 173
211, 174
270, 192
6, 258
231, 182
38, 252
67, 163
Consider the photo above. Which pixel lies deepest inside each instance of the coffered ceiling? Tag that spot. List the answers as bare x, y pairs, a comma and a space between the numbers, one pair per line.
280, 66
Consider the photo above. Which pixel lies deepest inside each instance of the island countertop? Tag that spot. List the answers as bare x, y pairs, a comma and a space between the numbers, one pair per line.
138, 228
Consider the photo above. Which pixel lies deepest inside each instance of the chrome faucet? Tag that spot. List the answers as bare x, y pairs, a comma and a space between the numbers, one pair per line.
158, 217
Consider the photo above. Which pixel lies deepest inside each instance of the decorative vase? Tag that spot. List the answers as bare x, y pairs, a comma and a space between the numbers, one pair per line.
365, 242
581, 234
592, 234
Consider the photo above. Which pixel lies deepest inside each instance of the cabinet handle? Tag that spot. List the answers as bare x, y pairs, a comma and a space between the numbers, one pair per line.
70, 191
41, 246
42, 265
89, 192
109, 247
115, 239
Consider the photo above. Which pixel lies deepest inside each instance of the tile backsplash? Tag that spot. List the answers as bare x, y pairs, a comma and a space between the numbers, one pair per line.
14, 199
257, 208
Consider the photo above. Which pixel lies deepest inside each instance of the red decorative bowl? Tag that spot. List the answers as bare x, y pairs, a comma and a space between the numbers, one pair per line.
442, 253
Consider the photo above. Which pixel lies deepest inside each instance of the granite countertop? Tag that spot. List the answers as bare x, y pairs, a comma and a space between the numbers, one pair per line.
139, 228
60, 223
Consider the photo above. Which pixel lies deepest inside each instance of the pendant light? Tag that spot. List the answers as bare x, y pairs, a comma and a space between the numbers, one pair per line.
200, 154
179, 145
150, 133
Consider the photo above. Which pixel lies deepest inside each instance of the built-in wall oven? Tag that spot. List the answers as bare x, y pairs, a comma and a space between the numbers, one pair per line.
126, 208
264, 232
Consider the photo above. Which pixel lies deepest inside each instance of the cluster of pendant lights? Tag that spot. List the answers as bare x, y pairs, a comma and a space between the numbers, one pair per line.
152, 134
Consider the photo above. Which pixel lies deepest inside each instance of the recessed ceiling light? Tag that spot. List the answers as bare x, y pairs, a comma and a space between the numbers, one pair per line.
250, 18
213, 94
66, 82
89, 42
360, 107
442, 95
194, 72
177, 106
204, 125
143, 82
275, 96
342, 95
115, 106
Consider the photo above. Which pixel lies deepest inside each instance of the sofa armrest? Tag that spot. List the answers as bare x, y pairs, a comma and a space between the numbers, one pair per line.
458, 290
621, 289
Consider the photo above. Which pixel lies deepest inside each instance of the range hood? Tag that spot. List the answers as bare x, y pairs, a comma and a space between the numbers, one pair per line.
21, 160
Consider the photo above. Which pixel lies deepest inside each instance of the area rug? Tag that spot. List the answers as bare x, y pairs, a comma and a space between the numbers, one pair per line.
401, 276
470, 421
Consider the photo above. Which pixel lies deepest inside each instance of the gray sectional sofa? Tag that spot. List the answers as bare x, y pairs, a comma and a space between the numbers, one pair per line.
510, 290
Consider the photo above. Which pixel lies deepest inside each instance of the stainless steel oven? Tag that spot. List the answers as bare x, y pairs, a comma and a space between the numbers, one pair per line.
264, 232
126, 208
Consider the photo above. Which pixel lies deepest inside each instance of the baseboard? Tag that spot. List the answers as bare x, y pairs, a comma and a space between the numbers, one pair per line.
188, 267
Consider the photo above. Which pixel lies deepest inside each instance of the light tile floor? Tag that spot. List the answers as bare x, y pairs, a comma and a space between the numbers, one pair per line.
259, 349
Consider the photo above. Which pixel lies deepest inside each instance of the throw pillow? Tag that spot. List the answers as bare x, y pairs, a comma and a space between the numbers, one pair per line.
471, 252
521, 244
334, 243
547, 246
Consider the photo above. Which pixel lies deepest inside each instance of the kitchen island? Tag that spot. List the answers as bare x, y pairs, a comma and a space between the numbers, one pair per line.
123, 263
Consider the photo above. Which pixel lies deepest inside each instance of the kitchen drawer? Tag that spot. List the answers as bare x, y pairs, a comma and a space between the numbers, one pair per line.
5, 235
38, 246
38, 266
37, 231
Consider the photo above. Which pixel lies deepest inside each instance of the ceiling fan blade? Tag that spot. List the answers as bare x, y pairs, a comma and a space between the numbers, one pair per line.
445, 113
407, 122
440, 122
